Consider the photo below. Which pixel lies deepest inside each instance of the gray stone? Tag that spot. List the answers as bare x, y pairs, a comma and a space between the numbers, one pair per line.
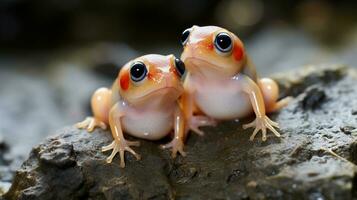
314, 159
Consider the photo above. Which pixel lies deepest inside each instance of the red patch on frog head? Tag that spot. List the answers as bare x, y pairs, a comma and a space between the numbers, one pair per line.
210, 46
237, 52
124, 80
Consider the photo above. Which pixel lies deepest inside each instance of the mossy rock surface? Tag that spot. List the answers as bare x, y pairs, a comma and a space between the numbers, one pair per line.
314, 158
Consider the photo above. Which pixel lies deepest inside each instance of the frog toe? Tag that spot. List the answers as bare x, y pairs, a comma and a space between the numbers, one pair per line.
120, 147
262, 123
177, 147
197, 121
90, 123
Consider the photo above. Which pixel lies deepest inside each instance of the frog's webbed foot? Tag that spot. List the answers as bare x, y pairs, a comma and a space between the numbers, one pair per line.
262, 123
90, 123
120, 147
176, 145
200, 120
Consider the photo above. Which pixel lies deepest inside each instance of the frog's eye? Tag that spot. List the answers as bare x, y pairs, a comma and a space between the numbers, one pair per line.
184, 36
180, 67
138, 71
223, 43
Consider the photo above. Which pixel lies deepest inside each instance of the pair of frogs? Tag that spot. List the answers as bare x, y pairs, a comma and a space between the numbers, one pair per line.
154, 94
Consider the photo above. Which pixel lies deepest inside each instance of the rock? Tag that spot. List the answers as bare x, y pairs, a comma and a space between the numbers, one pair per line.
36, 102
314, 158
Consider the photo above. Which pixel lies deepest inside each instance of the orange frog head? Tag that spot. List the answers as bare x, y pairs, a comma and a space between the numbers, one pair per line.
151, 78
212, 51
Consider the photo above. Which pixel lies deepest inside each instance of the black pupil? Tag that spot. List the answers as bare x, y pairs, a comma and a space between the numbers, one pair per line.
184, 36
180, 66
138, 72
223, 41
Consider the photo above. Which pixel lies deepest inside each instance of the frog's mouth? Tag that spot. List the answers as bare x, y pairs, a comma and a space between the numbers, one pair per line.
164, 94
202, 66
167, 90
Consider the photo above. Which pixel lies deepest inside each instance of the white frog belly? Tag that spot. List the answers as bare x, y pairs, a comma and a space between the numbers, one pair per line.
151, 126
223, 102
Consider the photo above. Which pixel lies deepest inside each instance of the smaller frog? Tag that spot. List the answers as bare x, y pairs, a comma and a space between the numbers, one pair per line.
222, 82
142, 102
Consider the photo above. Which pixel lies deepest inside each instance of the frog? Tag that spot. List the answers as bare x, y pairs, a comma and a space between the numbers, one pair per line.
142, 102
222, 82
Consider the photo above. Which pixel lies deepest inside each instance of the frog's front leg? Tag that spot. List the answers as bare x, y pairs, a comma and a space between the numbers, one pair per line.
119, 144
262, 122
177, 143
100, 103
192, 122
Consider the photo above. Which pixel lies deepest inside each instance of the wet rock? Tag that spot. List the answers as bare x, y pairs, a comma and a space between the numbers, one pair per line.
314, 158
57, 154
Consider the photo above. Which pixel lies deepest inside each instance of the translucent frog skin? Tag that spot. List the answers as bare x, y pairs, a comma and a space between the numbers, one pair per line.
221, 82
142, 102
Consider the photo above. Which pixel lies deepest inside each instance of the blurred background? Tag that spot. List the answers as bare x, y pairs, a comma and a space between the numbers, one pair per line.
54, 53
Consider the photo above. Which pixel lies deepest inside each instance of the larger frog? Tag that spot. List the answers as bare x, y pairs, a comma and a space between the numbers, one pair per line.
222, 82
